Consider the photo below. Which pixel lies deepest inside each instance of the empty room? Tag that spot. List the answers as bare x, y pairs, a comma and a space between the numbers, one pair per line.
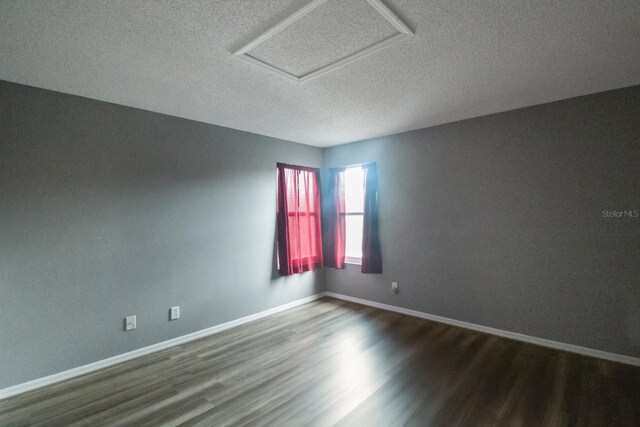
319, 213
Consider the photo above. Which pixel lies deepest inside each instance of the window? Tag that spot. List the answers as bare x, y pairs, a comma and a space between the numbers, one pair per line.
302, 215
354, 213
351, 218
299, 224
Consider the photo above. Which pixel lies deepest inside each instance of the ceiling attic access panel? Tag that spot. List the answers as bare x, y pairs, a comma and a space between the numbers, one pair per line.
323, 36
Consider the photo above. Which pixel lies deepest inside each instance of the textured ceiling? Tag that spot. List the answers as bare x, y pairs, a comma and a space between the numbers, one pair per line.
467, 58
329, 33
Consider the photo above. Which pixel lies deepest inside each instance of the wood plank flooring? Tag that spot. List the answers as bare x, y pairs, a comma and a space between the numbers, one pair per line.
332, 362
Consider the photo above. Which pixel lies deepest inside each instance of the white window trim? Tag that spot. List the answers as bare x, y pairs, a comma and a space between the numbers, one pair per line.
352, 260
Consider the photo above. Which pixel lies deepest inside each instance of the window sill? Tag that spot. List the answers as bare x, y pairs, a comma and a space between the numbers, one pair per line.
353, 260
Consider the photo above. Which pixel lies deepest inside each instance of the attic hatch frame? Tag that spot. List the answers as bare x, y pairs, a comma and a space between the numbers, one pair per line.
403, 33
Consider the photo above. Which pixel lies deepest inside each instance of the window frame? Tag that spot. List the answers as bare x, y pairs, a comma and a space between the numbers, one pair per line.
350, 259
316, 256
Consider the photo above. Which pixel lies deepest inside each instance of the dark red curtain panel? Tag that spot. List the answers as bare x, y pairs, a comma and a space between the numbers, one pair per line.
334, 220
371, 256
299, 223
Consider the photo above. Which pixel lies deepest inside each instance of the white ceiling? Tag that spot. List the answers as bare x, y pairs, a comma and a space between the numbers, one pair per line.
329, 33
467, 58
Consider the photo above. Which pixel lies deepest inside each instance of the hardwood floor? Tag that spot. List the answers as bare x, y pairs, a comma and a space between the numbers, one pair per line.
332, 362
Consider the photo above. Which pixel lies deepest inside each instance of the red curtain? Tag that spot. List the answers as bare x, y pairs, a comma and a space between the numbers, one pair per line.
371, 256
299, 225
334, 232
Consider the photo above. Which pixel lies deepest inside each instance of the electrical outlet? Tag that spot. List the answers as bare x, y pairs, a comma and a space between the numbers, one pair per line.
174, 313
129, 323
394, 287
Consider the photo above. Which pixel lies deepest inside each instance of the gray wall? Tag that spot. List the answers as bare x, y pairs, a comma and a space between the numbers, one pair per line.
107, 211
498, 220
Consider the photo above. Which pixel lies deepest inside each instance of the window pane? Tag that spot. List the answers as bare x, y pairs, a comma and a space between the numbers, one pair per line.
305, 186
354, 189
303, 237
294, 245
354, 236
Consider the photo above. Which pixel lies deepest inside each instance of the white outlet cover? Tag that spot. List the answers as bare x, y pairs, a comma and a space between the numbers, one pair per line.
174, 313
130, 323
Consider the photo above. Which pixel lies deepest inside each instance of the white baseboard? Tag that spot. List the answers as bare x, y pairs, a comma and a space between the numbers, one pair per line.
85, 369
629, 360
